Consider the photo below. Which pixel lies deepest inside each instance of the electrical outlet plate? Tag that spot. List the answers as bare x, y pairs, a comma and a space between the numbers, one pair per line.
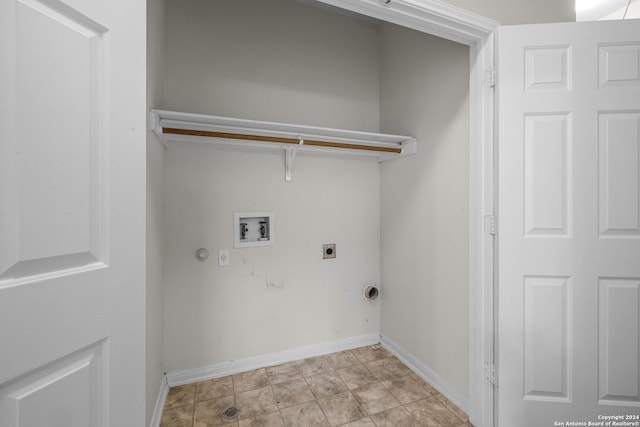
329, 251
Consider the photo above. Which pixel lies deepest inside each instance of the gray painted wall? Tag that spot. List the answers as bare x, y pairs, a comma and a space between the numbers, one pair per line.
425, 201
279, 61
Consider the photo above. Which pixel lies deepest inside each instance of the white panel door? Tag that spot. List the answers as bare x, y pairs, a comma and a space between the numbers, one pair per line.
569, 223
72, 183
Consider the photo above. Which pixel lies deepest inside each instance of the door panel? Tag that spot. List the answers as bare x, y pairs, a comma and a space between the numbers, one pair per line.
56, 152
619, 327
72, 191
619, 65
42, 398
547, 146
569, 217
547, 314
619, 177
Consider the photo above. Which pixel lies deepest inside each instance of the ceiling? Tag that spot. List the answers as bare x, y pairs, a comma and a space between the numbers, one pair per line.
592, 10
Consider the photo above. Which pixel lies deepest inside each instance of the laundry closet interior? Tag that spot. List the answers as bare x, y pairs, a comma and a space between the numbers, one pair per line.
401, 224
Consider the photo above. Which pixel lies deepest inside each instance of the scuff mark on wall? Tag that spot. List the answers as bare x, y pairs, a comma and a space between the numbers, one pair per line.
246, 261
274, 284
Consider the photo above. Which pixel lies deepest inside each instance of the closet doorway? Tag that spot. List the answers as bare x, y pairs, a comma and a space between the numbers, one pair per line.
416, 225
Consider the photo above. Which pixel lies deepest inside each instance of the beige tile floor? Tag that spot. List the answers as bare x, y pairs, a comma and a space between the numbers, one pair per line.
364, 387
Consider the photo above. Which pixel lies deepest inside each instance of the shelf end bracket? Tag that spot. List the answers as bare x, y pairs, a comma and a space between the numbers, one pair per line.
156, 127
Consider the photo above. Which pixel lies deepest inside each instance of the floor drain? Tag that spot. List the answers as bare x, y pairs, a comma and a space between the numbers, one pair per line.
230, 413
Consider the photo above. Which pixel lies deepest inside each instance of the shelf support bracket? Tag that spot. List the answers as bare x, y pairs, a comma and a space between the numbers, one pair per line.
290, 155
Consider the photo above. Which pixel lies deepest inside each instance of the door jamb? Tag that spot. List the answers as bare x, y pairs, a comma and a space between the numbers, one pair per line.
452, 23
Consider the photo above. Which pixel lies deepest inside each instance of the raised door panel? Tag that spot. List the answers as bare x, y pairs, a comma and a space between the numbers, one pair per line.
547, 175
547, 339
53, 156
619, 341
619, 65
548, 68
69, 392
619, 174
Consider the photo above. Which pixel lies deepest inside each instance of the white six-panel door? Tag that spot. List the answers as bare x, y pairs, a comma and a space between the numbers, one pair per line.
72, 156
569, 222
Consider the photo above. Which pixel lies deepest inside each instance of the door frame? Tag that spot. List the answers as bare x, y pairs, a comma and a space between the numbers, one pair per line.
477, 32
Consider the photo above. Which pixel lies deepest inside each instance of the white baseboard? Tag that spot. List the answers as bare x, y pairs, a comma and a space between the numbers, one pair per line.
439, 383
162, 396
271, 359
